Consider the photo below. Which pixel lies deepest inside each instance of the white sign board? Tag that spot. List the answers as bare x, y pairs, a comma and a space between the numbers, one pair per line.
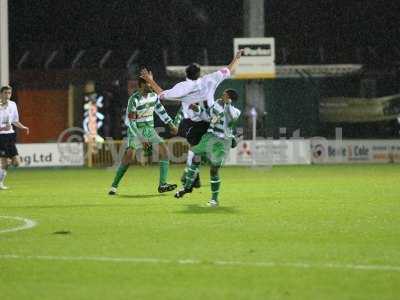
51, 154
355, 151
258, 59
270, 152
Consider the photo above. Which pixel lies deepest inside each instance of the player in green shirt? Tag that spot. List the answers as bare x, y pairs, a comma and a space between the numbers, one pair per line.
141, 133
215, 144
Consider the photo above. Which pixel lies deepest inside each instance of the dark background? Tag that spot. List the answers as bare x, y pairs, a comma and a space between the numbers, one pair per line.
344, 29
177, 32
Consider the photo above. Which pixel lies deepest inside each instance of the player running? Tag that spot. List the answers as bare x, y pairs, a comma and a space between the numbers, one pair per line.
215, 144
8, 117
197, 96
141, 133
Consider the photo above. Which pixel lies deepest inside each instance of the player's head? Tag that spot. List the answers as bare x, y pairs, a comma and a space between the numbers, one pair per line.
5, 92
230, 94
193, 71
143, 86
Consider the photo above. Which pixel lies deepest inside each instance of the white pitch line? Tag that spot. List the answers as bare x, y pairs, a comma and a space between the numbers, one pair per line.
144, 260
27, 224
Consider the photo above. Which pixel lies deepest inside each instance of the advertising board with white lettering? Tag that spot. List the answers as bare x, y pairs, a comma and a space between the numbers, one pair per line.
355, 151
51, 154
270, 152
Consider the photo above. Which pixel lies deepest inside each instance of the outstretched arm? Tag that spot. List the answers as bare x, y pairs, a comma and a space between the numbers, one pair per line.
235, 61
215, 78
175, 93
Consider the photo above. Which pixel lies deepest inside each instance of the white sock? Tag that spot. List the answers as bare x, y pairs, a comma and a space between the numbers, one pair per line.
3, 174
189, 158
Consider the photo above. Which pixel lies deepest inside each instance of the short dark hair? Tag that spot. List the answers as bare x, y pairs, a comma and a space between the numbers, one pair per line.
193, 71
5, 88
233, 94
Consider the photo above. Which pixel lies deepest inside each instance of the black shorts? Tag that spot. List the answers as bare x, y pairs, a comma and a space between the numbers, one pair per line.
192, 131
7, 145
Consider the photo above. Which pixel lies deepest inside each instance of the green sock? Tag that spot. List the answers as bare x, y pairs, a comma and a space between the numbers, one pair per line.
120, 173
183, 178
215, 184
164, 165
191, 175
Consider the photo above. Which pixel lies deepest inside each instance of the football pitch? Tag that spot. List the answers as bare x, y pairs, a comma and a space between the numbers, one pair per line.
312, 232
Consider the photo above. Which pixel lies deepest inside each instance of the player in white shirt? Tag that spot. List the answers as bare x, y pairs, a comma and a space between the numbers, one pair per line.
8, 117
197, 96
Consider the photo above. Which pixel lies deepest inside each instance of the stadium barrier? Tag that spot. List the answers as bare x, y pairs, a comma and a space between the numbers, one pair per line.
110, 152
260, 153
355, 151
51, 155
268, 152
272, 152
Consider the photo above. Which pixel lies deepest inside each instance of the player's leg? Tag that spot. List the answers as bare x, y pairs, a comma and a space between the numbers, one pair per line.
15, 161
154, 139
123, 167
219, 152
164, 186
191, 175
4, 163
189, 159
201, 148
133, 143
194, 135
8, 152
183, 130
215, 185
193, 172
187, 130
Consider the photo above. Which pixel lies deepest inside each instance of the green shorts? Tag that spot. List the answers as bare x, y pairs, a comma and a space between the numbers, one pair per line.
214, 148
146, 134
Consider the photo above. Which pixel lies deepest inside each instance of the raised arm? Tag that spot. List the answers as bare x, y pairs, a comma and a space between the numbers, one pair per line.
235, 61
175, 93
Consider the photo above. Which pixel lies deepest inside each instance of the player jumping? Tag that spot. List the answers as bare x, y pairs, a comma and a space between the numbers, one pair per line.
215, 144
141, 133
197, 96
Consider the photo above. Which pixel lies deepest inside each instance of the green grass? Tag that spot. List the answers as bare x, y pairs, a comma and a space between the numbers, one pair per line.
322, 232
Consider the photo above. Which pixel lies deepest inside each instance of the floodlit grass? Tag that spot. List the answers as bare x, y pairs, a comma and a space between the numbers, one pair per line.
312, 232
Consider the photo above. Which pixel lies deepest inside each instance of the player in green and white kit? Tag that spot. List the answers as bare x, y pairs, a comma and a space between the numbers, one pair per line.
215, 144
141, 133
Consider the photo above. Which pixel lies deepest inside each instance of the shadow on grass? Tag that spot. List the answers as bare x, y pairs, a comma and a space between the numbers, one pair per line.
148, 196
201, 209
